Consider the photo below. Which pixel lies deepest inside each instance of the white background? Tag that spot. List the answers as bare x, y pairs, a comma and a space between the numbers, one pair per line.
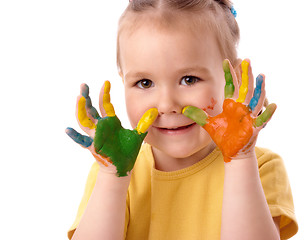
48, 48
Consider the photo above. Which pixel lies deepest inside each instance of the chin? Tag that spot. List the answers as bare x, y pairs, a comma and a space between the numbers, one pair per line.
180, 150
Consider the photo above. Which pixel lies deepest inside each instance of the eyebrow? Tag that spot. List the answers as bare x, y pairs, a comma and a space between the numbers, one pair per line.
181, 71
202, 69
137, 75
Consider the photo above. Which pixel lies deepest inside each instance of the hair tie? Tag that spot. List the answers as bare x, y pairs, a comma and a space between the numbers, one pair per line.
233, 11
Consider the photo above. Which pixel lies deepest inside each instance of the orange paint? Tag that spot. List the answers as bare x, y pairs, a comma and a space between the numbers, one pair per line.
232, 129
101, 160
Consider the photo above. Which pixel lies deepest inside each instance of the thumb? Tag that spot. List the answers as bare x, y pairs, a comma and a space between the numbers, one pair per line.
147, 120
195, 114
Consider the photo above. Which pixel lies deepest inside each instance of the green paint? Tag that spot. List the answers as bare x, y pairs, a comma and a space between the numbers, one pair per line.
229, 87
195, 114
266, 115
120, 145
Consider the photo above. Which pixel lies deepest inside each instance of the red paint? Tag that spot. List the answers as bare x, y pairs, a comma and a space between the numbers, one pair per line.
213, 103
232, 129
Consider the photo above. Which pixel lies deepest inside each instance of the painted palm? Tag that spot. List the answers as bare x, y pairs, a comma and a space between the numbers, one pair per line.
113, 146
235, 130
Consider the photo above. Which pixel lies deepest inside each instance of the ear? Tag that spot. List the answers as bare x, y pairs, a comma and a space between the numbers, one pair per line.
238, 69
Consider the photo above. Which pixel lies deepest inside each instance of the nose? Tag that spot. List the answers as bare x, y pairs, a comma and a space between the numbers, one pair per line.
169, 102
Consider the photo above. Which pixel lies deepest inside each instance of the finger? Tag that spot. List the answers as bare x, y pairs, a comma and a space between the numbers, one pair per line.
231, 89
195, 114
147, 120
105, 105
85, 122
257, 101
91, 111
246, 88
265, 116
82, 140
250, 84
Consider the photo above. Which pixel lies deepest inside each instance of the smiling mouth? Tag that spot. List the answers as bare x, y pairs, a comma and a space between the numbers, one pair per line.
175, 130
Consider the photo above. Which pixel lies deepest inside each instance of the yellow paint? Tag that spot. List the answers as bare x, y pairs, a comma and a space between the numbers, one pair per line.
82, 114
184, 109
147, 120
106, 101
244, 87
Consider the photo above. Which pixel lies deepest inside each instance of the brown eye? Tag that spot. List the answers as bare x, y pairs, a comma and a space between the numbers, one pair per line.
145, 83
189, 80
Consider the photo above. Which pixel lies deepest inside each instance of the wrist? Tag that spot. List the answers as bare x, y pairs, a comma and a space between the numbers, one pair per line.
244, 156
112, 181
242, 165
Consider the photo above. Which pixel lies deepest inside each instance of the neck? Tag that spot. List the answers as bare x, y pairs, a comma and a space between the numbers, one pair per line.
166, 163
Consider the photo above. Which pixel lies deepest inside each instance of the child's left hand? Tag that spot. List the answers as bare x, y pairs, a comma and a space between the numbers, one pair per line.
235, 130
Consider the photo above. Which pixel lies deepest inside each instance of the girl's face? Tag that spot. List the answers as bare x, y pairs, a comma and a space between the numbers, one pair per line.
168, 70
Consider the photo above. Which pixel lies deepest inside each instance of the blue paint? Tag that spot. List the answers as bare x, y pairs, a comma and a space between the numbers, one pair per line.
257, 93
85, 90
233, 11
85, 141
90, 109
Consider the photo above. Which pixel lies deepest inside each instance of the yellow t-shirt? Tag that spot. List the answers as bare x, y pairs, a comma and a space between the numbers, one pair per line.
186, 204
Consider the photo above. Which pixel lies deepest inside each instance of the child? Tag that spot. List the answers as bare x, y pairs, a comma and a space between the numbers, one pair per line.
170, 55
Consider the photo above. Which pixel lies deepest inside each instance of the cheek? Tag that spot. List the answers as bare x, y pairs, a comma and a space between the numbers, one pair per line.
211, 105
211, 101
131, 110
215, 100
214, 105
135, 109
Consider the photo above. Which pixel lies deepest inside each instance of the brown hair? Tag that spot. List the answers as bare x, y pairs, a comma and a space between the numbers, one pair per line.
215, 14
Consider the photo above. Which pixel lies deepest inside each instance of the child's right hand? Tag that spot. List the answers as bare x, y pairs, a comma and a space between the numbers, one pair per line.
114, 147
